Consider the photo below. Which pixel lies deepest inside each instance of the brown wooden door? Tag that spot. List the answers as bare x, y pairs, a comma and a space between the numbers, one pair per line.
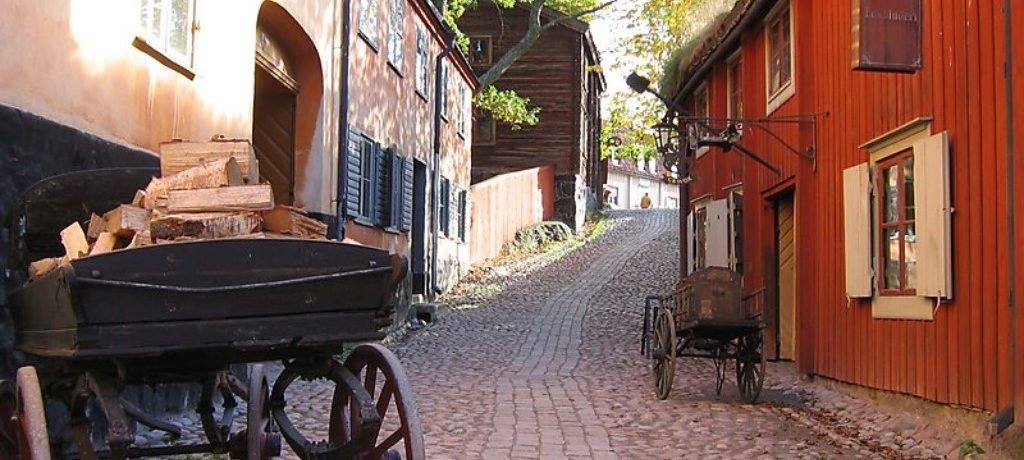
785, 224
273, 131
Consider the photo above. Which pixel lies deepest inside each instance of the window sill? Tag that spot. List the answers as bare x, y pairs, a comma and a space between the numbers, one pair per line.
165, 59
364, 222
780, 97
393, 230
369, 42
422, 96
395, 69
903, 307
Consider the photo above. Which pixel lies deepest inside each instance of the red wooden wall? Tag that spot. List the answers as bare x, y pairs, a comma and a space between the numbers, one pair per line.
963, 356
1017, 200
495, 219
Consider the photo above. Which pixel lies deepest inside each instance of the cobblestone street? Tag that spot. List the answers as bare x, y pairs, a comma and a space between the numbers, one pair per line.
550, 368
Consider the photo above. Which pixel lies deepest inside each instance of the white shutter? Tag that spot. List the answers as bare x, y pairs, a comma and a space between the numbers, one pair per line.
690, 243
717, 250
857, 219
933, 217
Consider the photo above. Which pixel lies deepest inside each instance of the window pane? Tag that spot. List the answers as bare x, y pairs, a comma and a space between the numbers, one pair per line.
179, 26
908, 187
149, 16
910, 256
891, 258
890, 194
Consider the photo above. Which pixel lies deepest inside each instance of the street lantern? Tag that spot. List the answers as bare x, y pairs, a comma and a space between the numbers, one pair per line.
666, 139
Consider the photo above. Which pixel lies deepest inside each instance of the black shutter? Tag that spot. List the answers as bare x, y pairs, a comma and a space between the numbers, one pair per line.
380, 184
354, 173
453, 224
462, 214
405, 224
395, 188
445, 213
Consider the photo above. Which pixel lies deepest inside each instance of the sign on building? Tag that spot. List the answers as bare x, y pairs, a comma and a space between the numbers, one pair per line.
887, 35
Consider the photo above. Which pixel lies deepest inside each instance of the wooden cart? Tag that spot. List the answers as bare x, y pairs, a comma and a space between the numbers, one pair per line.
187, 313
707, 317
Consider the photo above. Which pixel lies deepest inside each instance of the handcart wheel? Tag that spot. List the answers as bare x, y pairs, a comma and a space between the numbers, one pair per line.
22, 419
385, 380
664, 352
261, 440
750, 366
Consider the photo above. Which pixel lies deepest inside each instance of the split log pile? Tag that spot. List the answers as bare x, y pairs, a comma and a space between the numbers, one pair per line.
206, 190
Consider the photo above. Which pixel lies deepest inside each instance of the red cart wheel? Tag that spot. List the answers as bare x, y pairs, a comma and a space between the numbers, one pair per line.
663, 355
384, 379
22, 418
261, 440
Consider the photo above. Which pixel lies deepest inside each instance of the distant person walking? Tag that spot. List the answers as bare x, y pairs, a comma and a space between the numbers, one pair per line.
645, 201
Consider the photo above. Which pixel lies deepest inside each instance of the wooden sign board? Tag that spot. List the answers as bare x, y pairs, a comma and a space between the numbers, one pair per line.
887, 35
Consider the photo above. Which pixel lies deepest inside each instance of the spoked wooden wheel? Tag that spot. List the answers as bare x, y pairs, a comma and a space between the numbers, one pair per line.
22, 419
663, 354
262, 442
750, 366
401, 435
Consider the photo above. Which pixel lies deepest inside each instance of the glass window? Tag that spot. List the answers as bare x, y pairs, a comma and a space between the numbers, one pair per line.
369, 27
396, 34
366, 186
484, 127
897, 232
167, 26
444, 90
780, 58
700, 238
479, 50
422, 61
735, 90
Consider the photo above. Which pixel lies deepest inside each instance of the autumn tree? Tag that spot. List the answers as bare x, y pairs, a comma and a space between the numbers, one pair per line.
659, 35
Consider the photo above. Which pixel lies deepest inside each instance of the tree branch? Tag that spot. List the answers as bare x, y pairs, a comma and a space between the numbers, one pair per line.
565, 18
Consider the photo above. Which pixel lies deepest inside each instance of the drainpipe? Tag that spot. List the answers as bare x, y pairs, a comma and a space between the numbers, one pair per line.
1011, 192
435, 189
343, 130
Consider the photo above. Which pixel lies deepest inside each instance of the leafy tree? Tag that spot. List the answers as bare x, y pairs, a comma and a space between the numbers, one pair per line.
660, 35
506, 105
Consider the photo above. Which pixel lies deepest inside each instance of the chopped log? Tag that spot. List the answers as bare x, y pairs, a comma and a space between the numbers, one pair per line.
218, 173
43, 266
74, 241
96, 226
204, 225
292, 221
126, 220
104, 243
223, 199
176, 157
140, 199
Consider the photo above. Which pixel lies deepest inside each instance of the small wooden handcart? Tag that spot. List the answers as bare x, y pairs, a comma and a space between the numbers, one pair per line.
706, 317
187, 313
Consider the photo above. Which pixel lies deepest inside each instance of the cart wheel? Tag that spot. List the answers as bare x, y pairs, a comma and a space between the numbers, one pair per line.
720, 368
261, 440
22, 419
750, 366
383, 377
664, 352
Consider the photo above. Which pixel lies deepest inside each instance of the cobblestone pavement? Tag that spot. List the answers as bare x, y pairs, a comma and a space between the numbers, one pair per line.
550, 368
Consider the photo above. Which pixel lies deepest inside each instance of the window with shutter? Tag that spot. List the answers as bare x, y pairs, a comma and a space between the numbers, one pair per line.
379, 187
395, 189
444, 212
463, 219
736, 230
909, 225
456, 215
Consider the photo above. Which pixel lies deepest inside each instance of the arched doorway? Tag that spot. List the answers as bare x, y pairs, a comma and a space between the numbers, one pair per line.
286, 101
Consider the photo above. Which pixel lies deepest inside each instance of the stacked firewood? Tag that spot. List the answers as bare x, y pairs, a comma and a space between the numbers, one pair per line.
206, 190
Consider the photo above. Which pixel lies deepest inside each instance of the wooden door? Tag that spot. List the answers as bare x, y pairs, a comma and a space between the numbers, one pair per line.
785, 224
273, 131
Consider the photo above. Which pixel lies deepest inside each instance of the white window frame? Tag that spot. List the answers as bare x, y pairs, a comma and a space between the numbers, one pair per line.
159, 46
734, 61
396, 35
788, 89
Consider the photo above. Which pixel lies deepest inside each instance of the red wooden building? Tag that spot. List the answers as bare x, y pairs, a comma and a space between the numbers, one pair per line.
889, 244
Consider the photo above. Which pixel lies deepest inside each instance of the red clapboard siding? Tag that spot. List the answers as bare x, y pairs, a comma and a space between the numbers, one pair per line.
963, 356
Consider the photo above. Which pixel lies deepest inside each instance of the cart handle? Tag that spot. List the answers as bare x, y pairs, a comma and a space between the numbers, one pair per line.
237, 287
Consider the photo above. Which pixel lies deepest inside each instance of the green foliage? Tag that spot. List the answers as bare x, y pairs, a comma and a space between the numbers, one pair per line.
625, 133
970, 449
507, 106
